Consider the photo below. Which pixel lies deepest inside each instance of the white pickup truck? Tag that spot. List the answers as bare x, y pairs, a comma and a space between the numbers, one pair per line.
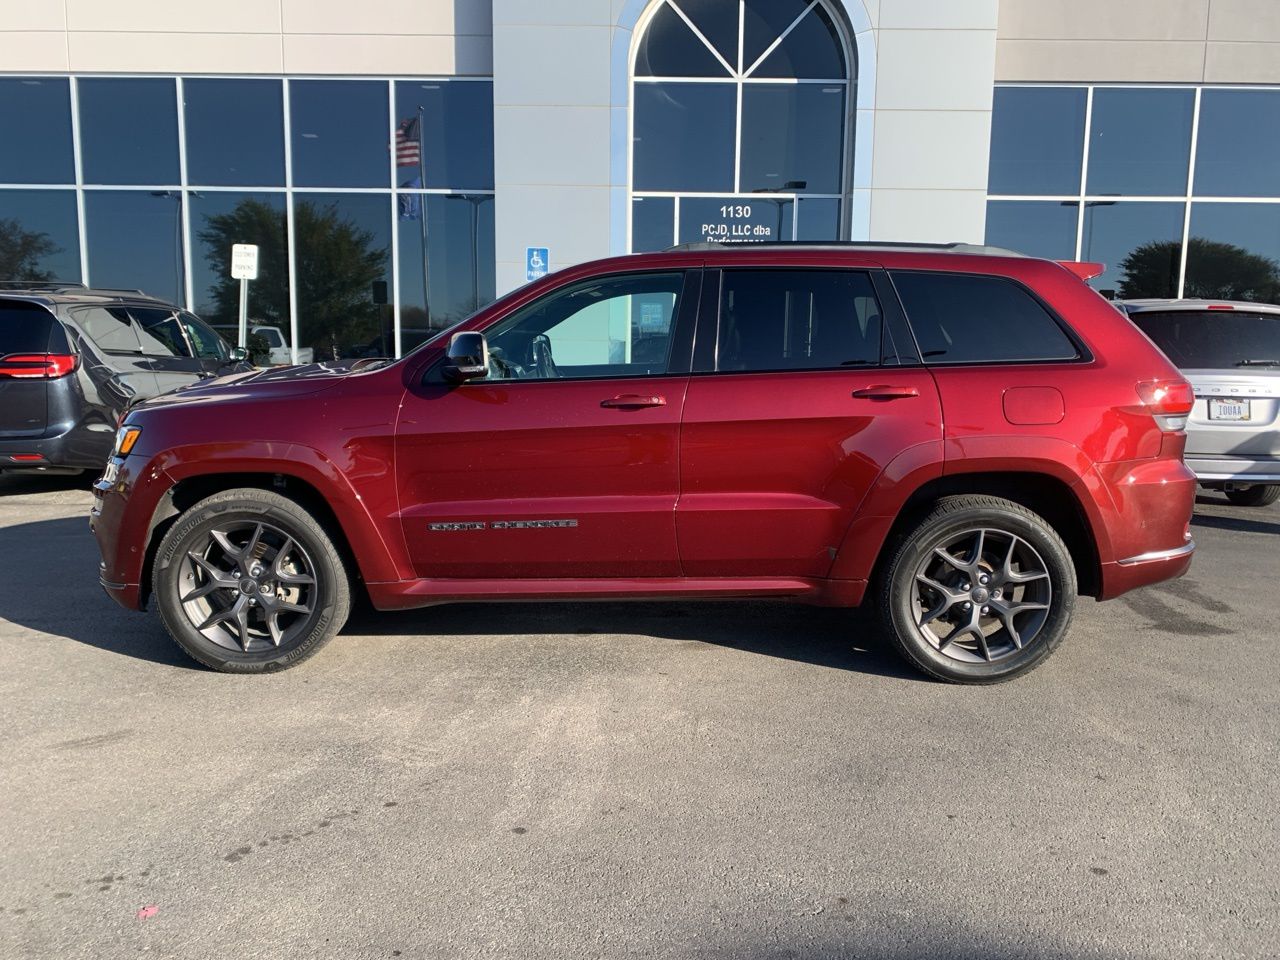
280, 346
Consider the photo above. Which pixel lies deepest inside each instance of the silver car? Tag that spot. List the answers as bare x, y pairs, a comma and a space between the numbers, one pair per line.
1230, 351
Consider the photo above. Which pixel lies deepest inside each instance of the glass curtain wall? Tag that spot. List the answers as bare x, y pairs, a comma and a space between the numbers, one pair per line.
370, 201
739, 123
1175, 189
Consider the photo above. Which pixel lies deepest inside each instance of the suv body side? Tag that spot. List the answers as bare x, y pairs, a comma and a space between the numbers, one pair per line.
787, 484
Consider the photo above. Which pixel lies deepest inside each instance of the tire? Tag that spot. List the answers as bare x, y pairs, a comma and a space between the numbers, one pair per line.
1255, 495
1030, 585
247, 581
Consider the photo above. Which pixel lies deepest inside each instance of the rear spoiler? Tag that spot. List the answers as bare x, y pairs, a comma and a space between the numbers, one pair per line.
1084, 269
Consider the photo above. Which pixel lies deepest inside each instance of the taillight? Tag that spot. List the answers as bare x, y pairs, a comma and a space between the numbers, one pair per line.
1168, 401
37, 366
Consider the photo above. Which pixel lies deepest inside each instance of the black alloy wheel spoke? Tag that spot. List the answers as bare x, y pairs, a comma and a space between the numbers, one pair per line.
982, 596
248, 587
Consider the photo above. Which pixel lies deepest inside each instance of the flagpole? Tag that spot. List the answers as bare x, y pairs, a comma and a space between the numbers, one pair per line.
422, 216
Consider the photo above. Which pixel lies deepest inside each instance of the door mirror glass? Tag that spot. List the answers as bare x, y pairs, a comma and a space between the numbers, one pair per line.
237, 354
467, 358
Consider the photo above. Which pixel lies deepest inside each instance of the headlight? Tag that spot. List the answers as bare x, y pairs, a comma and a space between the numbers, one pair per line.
126, 437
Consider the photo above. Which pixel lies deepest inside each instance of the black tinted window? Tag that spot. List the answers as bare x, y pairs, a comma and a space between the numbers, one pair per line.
1213, 339
966, 319
797, 320
27, 328
129, 130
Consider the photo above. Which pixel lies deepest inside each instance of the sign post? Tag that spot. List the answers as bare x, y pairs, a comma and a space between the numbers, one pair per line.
244, 267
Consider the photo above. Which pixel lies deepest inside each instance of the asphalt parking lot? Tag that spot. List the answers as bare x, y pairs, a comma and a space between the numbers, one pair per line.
617, 780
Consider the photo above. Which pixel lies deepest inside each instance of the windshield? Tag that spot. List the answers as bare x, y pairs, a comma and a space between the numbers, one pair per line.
1213, 339
182, 333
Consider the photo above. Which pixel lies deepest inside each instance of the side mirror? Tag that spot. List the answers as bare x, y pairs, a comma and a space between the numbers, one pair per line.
467, 357
238, 355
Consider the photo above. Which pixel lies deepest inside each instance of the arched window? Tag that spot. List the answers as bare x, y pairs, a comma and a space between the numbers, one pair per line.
739, 125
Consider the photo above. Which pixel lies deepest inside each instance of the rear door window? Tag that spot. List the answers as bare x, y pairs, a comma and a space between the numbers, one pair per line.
111, 328
963, 318
29, 328
797, 320
1214, 339
161, 332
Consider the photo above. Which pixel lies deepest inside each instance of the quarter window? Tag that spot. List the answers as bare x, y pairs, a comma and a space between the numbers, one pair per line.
958, 318
797, 320
614, 327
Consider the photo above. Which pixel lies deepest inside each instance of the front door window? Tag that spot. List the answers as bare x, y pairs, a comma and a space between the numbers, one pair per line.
604, 328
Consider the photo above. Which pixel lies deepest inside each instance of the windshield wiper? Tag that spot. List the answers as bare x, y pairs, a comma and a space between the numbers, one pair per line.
1258, 363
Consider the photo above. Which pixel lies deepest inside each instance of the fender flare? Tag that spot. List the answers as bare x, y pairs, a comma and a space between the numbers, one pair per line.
907, 473
368, 540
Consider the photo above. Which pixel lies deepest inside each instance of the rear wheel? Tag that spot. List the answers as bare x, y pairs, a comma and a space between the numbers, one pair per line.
248, 582
980, 590
1255, 495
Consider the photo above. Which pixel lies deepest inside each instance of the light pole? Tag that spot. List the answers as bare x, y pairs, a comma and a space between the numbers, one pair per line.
790, 185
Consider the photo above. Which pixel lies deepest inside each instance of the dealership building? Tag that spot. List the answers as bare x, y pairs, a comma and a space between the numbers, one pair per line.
399, 162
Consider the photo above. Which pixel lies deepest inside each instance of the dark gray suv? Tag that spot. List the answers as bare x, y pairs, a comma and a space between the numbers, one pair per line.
73, 359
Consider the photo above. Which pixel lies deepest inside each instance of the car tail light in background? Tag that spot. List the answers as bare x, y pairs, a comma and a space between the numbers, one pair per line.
1168, 401
37, 366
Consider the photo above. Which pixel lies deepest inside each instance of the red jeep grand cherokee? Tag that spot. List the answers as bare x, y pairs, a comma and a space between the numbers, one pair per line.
968, 437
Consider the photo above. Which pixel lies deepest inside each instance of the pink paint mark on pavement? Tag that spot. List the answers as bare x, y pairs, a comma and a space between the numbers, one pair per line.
149, 911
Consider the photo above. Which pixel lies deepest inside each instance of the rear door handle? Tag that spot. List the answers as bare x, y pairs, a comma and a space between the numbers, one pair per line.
883, 391
629, 400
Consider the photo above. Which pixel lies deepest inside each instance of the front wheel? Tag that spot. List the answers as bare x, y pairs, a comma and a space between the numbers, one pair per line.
248, 582
1255, 495
980, 590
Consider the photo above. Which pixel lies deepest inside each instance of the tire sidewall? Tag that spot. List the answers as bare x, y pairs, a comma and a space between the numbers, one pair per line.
188, 530
939, 529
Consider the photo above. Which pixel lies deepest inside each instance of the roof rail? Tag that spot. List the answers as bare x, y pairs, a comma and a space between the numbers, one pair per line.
40, 284
955, 247
132, 291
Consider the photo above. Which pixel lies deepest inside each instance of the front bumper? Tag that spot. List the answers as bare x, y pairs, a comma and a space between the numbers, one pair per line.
124, 503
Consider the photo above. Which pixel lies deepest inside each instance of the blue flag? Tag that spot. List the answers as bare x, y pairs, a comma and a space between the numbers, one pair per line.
410, 204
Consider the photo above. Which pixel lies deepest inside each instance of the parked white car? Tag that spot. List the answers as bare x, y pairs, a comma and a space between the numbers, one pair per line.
280, 353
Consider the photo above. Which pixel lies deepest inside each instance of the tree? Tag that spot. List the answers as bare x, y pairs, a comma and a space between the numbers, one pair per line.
337, 263
22, 250
1215, 271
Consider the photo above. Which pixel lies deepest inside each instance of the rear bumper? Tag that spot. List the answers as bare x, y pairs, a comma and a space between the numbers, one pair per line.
1145, 569
1150, 524
78, 449
1239, 469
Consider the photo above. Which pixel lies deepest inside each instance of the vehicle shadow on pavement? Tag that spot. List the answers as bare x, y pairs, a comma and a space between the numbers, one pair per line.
826, 637
49, 583
19, 483
1261, 524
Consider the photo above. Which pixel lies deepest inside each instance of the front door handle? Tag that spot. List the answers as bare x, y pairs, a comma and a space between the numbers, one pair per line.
630, 400
882, 391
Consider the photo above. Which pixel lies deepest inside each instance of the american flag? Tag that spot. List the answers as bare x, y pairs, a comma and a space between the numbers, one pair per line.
408, 143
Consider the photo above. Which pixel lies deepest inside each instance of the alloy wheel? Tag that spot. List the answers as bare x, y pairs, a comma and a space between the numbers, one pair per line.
981, 596
248, 587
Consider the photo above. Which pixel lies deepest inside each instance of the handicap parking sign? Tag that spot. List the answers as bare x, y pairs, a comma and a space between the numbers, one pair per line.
536, 260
